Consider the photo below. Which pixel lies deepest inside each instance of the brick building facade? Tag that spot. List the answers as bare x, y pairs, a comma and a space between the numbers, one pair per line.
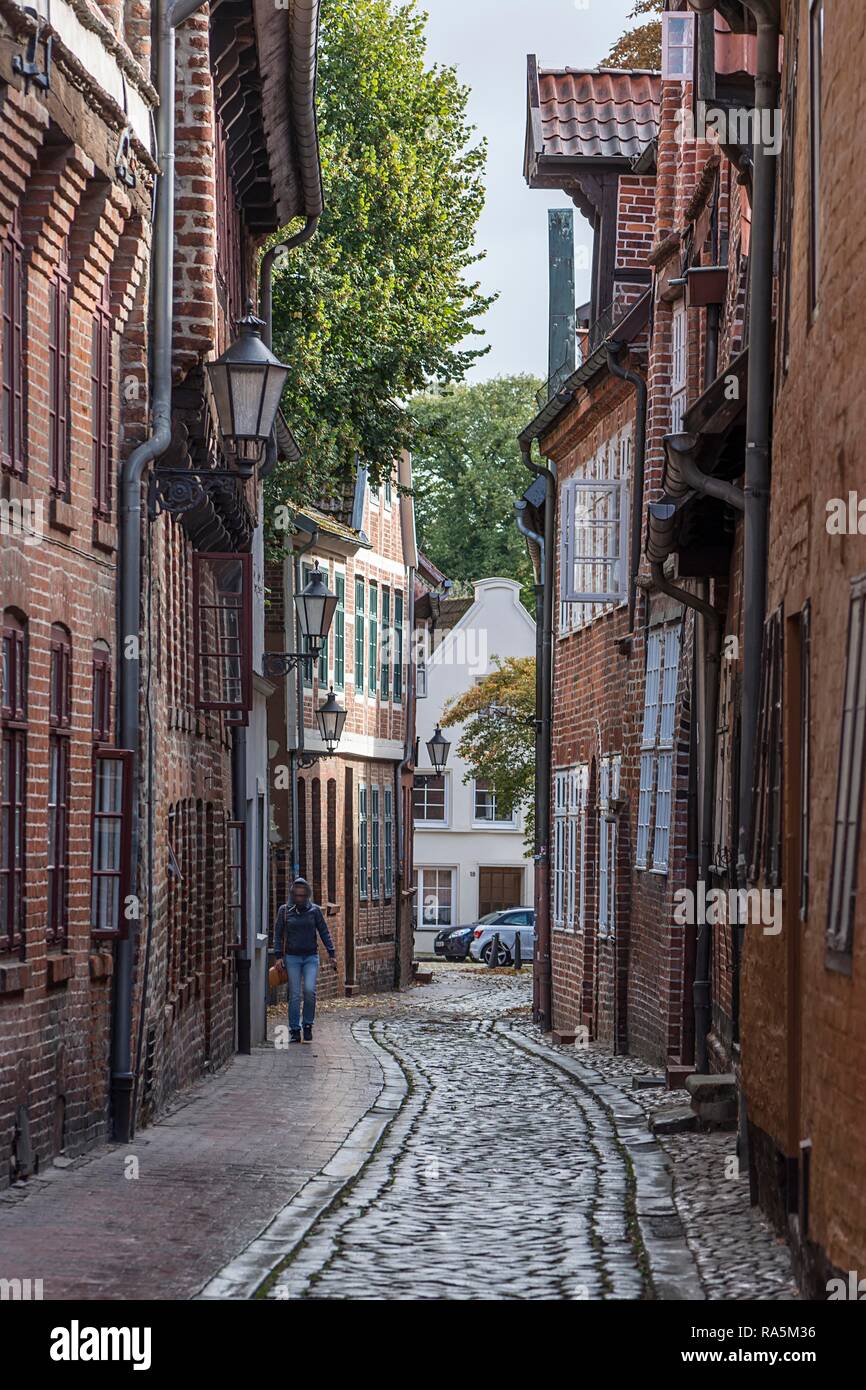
751, 256
141, 850
74, 240
353, 809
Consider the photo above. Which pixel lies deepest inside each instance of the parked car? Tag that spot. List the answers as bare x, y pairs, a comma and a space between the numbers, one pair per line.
452, 943
508, 923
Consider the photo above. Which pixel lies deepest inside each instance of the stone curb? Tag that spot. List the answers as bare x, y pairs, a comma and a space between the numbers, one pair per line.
243, 1275
672, 1265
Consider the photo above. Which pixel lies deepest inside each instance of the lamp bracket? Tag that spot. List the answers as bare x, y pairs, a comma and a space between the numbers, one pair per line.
27, 67
282, 663
179, 490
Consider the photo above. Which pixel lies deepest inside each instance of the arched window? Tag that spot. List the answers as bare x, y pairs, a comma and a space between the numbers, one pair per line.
60, 721
13, 779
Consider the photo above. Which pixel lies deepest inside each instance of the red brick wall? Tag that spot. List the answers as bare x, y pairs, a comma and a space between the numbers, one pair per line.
55, 999
804, 1024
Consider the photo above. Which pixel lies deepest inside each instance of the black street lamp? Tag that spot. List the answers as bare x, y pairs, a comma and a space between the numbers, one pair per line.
316, 607
330, 717
438, 747
244, 388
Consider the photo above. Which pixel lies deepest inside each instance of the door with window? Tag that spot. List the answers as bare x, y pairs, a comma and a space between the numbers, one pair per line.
498, 889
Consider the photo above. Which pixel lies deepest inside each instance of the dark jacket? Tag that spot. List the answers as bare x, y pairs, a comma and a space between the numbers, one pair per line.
296, 927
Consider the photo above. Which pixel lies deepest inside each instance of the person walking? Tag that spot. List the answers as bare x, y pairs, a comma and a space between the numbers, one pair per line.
297, 923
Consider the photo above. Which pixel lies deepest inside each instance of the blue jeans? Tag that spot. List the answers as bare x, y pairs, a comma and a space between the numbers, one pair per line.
306, 969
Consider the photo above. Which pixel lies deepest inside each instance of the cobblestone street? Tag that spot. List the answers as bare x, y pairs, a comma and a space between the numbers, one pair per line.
430, 1144
503, 1176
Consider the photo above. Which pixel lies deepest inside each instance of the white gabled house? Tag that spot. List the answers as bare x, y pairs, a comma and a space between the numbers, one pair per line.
470, 857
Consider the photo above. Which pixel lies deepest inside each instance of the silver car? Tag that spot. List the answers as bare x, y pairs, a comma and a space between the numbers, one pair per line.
507, 926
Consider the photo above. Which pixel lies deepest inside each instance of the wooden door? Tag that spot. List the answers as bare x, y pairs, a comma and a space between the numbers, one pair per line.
499, 888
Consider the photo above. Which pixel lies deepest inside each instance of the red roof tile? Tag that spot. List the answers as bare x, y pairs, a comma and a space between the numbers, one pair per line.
595, 114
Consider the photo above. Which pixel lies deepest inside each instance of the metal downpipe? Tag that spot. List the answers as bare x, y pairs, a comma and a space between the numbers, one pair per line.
132, 474
544, 750
758, 430
712, 625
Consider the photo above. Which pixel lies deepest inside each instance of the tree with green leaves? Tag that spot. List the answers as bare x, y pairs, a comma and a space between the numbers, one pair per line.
497, 740
468, 472
640, 46
381, 301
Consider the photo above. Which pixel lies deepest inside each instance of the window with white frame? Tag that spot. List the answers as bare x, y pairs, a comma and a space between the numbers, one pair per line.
434, 899
679, 365
488, 808
657, 748
678, 46
594, 510
560, 843
609, 778
571, 791
430, 798
578, 794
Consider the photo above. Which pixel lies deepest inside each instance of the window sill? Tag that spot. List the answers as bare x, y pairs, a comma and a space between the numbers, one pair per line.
101, 965
840, 962
61, 969
104, 535
62, 515
14, 979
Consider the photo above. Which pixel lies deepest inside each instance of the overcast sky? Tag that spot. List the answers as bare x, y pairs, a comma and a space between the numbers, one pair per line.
488, 41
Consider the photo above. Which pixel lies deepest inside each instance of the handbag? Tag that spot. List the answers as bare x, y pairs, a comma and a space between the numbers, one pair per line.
278, 974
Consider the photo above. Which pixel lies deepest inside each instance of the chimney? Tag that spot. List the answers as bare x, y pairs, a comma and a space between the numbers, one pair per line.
561, 350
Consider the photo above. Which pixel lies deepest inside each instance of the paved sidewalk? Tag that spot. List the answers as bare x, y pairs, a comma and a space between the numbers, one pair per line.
211, 1174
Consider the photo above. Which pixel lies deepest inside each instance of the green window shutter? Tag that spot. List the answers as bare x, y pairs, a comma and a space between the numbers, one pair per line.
340, 632
359, 636
306, 666
385, 683
398, 647
325, 649
373, 634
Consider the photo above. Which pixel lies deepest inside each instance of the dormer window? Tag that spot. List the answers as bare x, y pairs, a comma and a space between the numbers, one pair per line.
678, 47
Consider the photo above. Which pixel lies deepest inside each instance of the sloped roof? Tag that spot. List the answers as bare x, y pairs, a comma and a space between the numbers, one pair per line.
598, 114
